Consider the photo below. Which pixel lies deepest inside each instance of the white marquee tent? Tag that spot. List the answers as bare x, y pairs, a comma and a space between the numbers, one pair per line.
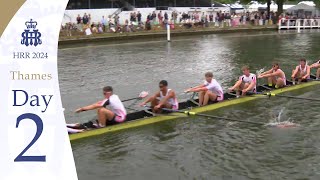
303, 10
255, 6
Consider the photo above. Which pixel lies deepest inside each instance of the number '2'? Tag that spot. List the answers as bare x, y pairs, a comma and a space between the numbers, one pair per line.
35, 118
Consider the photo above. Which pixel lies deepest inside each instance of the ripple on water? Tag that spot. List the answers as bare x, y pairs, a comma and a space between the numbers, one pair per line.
194, 148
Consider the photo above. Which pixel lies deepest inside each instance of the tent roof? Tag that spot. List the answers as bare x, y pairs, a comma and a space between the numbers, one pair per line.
309, 3
235, 6
216, 4
301, 6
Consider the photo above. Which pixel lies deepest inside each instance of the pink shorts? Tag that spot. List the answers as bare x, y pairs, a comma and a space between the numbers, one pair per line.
220, 98
119, 119
175, 107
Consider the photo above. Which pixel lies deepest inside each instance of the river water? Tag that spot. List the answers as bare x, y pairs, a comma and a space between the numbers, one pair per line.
194, 148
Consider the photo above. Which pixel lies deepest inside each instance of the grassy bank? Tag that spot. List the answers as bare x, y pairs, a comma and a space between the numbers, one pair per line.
124, 37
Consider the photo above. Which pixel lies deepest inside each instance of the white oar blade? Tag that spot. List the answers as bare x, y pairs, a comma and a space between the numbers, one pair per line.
143, 94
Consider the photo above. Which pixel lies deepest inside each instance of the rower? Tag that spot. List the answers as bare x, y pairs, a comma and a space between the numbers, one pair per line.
209, 90
301, 73
316, 66
246, 83
116, 113
276, 77
164, 98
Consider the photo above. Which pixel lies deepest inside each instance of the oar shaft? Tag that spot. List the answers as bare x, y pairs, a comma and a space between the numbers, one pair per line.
229, 119
286, 96
294, 97
212, 116
130, 99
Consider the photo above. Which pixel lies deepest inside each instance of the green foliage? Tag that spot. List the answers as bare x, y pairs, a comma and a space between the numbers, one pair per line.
317, 2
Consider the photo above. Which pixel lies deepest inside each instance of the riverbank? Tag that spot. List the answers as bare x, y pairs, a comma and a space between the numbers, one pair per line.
124, 37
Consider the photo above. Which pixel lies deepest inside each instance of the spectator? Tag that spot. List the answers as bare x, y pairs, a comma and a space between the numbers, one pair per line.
134, 17
160, 17
174, 17
154, 17
139, 16
149, 17
79, 19
211, 17
116, 20
89, 19
228, 19
87, 30
166, 16
101, 28
131, 18
85, 19
148, 25
103, 23
94, 28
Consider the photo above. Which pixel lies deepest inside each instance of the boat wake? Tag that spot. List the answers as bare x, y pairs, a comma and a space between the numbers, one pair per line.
277, 123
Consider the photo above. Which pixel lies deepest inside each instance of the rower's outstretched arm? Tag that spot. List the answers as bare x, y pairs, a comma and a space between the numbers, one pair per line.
267, 72
90, 107
238, 83
314, 65
203, 88
294, 73
193, 88
151, 98
271, 74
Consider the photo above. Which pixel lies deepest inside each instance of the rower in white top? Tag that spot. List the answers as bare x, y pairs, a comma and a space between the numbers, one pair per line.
301, 73
316, 66
246, 83
209, 90
276, 77
165, 98
116, 113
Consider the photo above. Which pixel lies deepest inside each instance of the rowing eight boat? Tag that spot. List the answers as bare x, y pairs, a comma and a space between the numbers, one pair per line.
141, 118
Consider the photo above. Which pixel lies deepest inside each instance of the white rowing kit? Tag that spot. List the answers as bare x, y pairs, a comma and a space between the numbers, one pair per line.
116, 107
173, 101
249, 79
215, 87
303, 71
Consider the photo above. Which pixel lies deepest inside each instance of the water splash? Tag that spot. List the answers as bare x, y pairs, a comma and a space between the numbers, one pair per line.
276, 122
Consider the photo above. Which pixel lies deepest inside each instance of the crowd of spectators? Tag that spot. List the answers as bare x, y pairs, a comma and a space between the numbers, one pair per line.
292, 19
160, 20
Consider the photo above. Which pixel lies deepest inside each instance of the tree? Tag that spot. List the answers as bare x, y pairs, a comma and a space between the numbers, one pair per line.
317, 2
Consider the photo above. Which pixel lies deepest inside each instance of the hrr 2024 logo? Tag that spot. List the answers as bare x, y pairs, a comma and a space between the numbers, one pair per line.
31, 35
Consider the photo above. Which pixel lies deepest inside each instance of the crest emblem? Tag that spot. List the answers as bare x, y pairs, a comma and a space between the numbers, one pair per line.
31, 36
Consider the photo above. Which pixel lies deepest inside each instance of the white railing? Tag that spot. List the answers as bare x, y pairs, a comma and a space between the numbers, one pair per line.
299, 23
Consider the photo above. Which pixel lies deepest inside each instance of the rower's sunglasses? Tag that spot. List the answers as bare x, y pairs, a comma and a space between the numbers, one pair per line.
161, 86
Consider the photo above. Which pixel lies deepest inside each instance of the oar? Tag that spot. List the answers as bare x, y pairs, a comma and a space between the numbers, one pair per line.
142, 95
286, 96
212, 116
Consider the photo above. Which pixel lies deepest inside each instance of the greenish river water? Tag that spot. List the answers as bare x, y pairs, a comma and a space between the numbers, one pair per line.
195, 148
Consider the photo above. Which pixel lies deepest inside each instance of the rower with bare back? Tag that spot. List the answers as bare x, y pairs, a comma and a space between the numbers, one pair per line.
275, 76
